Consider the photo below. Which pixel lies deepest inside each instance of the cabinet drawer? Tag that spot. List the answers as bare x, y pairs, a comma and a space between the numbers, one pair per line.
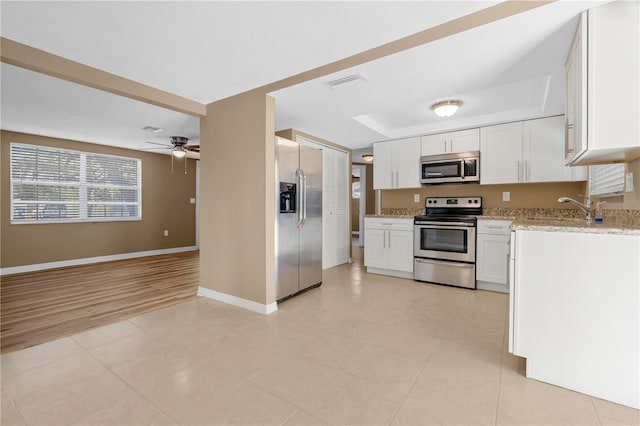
391, 223
494, 226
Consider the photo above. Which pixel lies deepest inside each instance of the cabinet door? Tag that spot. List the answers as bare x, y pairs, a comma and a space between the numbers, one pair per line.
400, 250
492, 264
501, 153
434, 144
382, 172
375, 251
405, 160
464, 140
576, 90
544, 150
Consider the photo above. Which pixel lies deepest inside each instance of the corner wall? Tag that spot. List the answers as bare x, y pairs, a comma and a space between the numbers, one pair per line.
165, 205
237, 210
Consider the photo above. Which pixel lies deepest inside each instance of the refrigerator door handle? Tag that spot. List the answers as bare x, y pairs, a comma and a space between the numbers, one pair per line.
304, 197
299, 198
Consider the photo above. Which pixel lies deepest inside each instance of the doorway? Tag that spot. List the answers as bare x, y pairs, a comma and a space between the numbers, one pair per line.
358, 202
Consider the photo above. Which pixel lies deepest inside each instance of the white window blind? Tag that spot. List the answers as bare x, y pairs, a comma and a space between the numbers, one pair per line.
607, 180
58, 185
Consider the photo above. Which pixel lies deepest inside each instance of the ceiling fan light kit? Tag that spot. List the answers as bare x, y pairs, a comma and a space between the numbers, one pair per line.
446, 108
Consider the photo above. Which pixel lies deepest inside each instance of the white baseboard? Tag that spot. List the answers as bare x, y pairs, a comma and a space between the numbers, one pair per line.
484, 285
238, 301
87, 260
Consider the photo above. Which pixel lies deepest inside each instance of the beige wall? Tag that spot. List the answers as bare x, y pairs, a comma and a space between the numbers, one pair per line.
237, 185
530, 195
165, 205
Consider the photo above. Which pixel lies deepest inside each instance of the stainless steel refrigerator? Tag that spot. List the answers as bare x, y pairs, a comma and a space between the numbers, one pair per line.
299, 218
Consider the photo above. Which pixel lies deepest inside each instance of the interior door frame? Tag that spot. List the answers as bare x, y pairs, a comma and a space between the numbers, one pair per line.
362, 202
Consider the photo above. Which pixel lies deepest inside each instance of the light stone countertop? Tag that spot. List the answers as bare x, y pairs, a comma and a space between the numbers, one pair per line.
573, 225
390, 216
550, 224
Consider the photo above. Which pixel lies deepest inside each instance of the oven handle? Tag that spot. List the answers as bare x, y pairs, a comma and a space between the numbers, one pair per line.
445, 225
438, 262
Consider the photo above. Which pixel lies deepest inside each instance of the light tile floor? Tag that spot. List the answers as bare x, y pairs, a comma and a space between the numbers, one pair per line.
361, 349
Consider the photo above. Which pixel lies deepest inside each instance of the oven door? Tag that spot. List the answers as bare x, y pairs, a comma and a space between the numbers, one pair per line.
445, 241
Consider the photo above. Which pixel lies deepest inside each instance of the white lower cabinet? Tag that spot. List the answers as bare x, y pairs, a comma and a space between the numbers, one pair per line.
388, 246
492, 255
574, 311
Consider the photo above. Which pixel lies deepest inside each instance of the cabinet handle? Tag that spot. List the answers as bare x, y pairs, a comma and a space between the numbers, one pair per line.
392, 179
389, 239
527, 170
397, 184
519, 173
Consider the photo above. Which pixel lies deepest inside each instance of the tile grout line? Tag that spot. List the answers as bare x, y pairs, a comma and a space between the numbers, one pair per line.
395, 413
15, 407
593, 404
113, 373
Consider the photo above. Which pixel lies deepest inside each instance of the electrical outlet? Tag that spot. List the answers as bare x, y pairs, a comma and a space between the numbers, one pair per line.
166, 232
506, 196
629, 185
416, 198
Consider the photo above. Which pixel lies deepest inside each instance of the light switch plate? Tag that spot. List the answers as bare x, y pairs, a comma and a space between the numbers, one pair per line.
166, 232
506, 196
416, 198
192, 200
629, 185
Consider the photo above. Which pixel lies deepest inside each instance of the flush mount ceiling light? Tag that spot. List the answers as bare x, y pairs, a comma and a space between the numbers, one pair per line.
446, 108
367, 157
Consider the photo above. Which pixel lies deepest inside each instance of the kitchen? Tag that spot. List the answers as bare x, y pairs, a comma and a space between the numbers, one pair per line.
240, 286
444, 241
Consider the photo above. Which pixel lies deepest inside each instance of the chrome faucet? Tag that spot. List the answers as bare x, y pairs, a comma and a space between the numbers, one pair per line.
586, 207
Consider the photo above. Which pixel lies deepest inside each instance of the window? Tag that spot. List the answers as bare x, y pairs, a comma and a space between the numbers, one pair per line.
607, 180
59, 185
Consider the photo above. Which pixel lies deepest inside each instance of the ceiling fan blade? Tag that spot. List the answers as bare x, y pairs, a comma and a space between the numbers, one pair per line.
150, 149
161, 144
192, 148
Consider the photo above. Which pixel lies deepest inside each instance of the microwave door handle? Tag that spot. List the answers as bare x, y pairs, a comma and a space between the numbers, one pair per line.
462, 169
434, 173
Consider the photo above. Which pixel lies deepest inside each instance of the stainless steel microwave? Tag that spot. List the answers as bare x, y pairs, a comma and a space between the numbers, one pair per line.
459, 167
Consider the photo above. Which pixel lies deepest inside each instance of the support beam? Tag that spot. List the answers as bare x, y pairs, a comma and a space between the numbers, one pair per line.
23, 56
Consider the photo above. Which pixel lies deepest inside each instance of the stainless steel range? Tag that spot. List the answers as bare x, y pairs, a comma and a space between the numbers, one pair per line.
444, 247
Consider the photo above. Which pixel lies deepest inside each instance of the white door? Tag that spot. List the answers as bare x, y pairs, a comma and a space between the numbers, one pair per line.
336, 196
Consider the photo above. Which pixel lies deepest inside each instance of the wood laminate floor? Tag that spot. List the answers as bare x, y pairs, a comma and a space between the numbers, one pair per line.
42, 306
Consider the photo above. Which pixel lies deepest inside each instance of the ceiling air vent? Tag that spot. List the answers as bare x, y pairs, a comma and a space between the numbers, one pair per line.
152, 129
349, 80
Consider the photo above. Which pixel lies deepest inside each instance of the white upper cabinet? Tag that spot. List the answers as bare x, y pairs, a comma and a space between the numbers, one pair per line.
501, 153
543, 158
396, 164
525, 151
442, 143
603, 86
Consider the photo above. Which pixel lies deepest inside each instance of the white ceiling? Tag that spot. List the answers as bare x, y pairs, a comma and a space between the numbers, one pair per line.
210, 50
